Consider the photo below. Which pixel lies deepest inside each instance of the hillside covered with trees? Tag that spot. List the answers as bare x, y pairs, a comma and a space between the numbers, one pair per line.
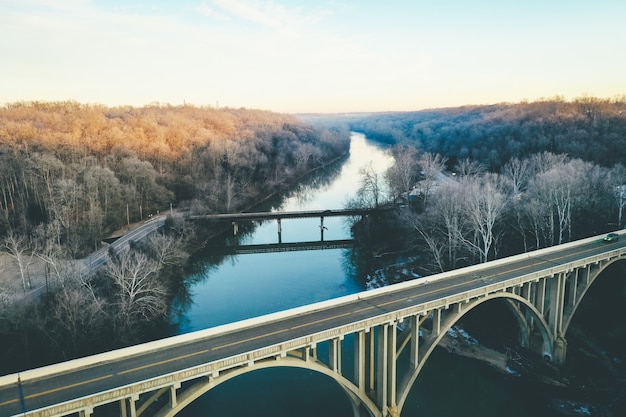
71, 174
489, 181
588, 128
85, 170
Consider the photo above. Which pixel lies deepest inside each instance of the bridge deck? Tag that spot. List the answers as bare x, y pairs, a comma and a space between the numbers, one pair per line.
272, 215
282, 247
196, 354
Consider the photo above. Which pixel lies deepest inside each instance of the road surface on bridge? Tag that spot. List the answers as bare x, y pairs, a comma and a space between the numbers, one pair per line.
100, 377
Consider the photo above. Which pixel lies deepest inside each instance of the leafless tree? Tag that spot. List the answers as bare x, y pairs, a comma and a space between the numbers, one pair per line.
517, 172
370, 192
484, 203
432, 166
78, 317
17, 248
427, 229
468, 168
401, 176
139, 295
448, 205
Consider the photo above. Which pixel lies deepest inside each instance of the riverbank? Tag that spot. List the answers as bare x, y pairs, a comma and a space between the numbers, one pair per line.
565, 391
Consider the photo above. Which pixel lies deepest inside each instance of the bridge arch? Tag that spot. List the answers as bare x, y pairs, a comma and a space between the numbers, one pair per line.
582, 291
513, 301
356, 397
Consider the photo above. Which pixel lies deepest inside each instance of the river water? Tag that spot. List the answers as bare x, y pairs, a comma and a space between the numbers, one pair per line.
245, 286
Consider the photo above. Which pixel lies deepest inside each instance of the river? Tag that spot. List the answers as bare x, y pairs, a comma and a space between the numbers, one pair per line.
245, 286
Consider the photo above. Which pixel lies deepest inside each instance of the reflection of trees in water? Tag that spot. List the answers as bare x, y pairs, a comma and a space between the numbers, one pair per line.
317, 180
211, 235
381, 252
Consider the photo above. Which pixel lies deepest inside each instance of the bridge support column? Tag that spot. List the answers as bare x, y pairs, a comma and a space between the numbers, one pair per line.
335, 355
572, 288
540, 299
556, 300
359, 360
370, 381
559, 350
280, 231
173, 399
415, 340
437, 321
86, 412
127, 404
123, 410
386, 370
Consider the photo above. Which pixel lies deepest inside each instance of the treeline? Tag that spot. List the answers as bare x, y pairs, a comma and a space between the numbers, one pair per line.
85, 170
588, 128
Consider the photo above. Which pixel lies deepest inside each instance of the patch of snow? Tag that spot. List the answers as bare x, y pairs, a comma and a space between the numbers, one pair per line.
467, 337
512, 371
583, 410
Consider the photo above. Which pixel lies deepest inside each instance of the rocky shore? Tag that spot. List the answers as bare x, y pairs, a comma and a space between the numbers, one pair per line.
568, 390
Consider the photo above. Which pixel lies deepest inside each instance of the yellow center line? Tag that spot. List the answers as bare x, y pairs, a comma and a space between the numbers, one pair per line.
329, 318
89, 381
249, 339
150, 365
8, 402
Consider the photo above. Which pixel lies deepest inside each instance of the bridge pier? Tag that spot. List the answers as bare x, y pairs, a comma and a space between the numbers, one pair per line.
127, 405
386, 369
86, 412
173, 398
559, 350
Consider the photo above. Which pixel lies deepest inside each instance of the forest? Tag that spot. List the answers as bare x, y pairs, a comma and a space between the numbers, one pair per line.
72, 174
482, 182
588, 128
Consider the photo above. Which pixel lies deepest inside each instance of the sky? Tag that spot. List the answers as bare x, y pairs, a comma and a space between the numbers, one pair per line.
311, 56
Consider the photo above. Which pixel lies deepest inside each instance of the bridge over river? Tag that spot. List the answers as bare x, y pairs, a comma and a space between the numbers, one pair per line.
237, 218
390, 331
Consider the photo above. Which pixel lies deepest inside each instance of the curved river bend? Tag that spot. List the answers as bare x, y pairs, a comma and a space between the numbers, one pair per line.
245, 286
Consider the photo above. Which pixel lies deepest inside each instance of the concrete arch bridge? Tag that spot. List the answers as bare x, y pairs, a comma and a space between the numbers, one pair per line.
364, 352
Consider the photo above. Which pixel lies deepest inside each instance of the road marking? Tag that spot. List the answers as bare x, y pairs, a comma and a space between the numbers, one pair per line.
249, 339
150, 365
89, 381
9, 402
330, 318
379, 305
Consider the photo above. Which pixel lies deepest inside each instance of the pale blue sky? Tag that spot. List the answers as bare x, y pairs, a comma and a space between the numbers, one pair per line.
311, 56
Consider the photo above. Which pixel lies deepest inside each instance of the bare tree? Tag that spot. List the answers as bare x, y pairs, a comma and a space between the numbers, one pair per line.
17, 248
517, 172
401, 176
139, 295
484, 204
468, 168
427, 229
370, 191
78, 317
617, 178
432, 166
449, 207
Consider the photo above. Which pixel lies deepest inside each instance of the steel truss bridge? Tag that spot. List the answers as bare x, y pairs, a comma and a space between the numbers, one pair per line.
543, 290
